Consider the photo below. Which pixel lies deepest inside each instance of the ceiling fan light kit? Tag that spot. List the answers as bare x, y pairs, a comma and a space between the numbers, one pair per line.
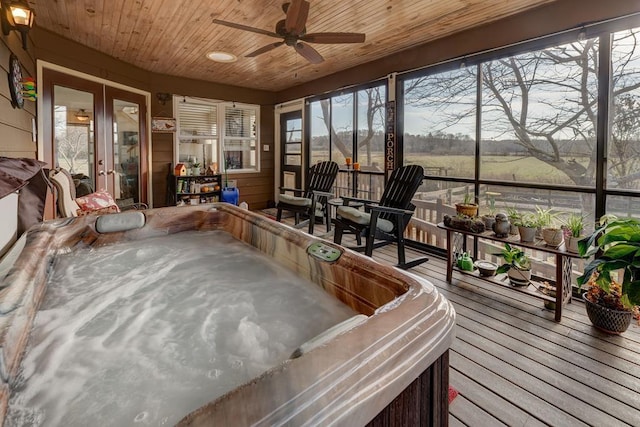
293, 32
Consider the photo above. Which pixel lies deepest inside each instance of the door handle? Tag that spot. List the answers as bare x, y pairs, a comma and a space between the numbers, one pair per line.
101, 173
110, 172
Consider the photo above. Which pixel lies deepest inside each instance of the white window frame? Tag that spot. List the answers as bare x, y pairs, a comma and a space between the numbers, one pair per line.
221, 132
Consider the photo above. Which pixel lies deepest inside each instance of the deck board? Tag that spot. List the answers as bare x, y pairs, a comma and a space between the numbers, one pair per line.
512, 364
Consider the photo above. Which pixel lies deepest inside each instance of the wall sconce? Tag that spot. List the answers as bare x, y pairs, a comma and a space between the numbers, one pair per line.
163, 97
16, 15
82, 115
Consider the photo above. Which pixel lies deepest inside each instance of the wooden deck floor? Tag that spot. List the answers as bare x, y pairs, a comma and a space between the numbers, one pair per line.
514, 365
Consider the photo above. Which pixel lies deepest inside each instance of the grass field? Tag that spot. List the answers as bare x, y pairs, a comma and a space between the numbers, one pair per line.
504, 168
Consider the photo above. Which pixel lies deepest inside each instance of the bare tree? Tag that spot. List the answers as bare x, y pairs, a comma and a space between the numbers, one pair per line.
374, 113
72, 148
546, 102
375, 117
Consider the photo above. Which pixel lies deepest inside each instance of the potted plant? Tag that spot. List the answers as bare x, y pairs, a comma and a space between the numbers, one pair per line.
468, 207
613, 276
552, 234
527, 227
546, 228
517, 265
514, 217
573, 229
195, 167
490, 217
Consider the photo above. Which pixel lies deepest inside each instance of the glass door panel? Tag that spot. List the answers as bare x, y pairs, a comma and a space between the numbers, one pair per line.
126, 150
98, 133
291, 144
126, 167
74, 136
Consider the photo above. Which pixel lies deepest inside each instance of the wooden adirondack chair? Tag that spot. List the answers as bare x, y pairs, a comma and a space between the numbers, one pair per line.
312, 201
384, 220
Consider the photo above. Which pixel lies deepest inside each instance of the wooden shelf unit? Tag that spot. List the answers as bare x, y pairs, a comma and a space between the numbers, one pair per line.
188, 187
457, 243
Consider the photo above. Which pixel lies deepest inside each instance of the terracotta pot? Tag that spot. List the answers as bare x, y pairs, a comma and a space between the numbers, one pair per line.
470, 210
606, 319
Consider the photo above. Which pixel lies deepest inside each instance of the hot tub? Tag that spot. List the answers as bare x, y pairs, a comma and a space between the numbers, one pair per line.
390, 369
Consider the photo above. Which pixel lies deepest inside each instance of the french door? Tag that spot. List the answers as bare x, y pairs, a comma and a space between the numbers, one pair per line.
97, 133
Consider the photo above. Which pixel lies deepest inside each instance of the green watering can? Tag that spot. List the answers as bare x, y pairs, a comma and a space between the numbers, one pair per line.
465, 262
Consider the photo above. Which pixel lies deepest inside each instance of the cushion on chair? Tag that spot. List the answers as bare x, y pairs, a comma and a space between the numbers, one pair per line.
364, 218
100, 200
66, 204
294, 200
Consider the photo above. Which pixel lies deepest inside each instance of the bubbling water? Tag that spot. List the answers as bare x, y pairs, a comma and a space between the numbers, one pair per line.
142, 333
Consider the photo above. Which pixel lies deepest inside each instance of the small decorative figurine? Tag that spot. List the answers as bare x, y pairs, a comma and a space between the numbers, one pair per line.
180, 170
501, 226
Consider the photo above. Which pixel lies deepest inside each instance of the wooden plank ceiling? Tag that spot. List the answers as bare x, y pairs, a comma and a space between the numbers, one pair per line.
172, 37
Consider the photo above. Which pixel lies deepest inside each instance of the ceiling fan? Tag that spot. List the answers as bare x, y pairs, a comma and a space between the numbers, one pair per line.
293, 31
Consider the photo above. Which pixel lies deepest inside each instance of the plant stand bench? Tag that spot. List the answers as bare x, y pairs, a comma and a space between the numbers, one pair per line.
457, 244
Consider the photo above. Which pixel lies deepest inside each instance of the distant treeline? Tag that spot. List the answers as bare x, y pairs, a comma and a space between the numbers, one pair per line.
447, 144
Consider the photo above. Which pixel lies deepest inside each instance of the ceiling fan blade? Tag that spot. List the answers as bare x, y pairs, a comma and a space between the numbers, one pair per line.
308, 53
264, 49
297, 14
330, 38
246, 28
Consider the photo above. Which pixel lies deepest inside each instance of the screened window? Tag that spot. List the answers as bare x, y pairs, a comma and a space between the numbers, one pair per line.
342, 127
371, 122
351, 125
539, 112
240, 138
623, 160
439, 122
532, 117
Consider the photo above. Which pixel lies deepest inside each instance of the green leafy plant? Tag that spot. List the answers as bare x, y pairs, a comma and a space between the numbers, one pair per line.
513, 257
574, 225
512, 212
491, 206
513, 215
544, 217
526, 220
616, 246
468, 199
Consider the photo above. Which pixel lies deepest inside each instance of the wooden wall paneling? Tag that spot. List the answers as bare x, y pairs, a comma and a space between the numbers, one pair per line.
162, 155
14, 141
59, 50
16, 124
161, 150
